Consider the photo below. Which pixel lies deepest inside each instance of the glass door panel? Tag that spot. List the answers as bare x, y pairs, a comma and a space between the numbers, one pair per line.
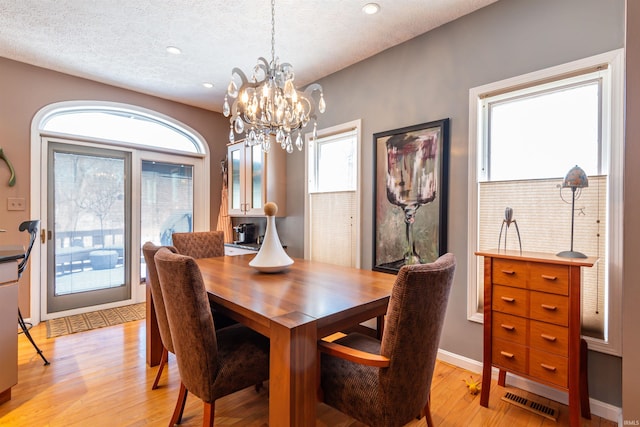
88, 199
257, 173
166, 202
235, 184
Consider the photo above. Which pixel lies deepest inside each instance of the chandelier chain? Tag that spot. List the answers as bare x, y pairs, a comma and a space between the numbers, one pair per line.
273, 31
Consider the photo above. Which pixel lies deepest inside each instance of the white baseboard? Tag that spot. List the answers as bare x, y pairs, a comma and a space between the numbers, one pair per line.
601, 409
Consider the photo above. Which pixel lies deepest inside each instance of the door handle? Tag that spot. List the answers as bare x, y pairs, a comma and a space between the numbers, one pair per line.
45, 235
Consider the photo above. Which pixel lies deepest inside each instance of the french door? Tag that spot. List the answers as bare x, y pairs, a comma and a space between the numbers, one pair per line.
101, 203
89, 217
105, 178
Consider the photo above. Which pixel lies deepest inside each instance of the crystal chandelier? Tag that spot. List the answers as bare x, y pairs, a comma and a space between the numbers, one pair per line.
269, 105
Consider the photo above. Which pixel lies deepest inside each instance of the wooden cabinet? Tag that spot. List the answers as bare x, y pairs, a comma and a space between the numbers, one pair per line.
532, 323
256, 177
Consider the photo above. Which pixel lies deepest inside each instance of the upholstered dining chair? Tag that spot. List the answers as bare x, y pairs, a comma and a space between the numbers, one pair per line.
387, 383
212, 363
203, 244
149, 250
200, 244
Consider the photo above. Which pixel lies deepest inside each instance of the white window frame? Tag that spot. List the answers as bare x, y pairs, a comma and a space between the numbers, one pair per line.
613, 155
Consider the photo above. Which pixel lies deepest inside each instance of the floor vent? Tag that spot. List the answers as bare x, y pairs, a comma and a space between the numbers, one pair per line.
530, 405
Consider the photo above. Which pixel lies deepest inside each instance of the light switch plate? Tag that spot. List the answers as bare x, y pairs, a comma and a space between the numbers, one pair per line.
15, 204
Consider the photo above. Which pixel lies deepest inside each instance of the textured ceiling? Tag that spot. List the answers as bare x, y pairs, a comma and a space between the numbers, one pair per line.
123, 42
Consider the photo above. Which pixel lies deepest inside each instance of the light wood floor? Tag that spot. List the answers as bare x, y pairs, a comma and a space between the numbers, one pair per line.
99, 378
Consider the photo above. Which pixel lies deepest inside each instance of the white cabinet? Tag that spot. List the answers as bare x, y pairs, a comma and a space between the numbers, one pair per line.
255, 178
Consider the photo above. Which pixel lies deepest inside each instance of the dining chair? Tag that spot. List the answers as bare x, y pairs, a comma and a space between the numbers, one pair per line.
387, 382
199, 244
32, 228
203, 244
149, 250
212, 363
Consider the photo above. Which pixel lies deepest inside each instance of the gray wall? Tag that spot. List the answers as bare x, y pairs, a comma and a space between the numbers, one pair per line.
428, 78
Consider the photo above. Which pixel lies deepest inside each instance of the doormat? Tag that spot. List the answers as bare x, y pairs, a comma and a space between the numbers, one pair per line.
96, 319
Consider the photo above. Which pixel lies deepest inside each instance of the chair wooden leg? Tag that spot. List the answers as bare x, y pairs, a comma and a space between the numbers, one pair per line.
427, 412
176, 418
380, 326
209, 411
163, 361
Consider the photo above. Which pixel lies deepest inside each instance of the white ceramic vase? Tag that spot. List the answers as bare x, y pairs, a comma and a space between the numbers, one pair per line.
271, 257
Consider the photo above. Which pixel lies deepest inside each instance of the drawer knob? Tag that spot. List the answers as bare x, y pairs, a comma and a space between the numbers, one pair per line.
509, 272
549, 307
508, 327
548, 337
508, 299
507, 355
548, 367
544, 276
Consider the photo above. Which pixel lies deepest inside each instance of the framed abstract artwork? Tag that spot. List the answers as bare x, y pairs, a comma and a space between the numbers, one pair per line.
410, 195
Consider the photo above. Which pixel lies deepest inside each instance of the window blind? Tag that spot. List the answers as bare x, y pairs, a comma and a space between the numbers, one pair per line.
333, 239
544, 221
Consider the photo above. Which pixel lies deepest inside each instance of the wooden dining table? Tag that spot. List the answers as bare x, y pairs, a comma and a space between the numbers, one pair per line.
294, 308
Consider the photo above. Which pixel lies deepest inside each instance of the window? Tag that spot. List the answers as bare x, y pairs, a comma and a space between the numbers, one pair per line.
332, 160
525, 135
332, 203
123, 125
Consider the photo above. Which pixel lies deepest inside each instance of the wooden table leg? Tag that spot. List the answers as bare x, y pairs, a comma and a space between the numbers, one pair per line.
293, 371
154, 342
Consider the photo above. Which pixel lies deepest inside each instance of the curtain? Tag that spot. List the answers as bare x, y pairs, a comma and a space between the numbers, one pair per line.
224, 220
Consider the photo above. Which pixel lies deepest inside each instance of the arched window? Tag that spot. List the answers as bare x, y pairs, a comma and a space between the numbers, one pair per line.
125, 124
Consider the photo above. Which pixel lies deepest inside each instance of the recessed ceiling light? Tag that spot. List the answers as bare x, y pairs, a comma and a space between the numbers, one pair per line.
174, 50
371, 8
207, 85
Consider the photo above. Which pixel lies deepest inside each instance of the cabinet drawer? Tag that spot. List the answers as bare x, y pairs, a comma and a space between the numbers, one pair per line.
509, 328
549, 337
510, 300
549, 367
509, 356
549, 308
549, 278
509, 272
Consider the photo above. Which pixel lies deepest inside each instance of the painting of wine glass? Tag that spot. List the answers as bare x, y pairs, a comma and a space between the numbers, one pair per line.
410, 200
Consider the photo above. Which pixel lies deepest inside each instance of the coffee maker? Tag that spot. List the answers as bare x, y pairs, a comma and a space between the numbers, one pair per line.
245, 233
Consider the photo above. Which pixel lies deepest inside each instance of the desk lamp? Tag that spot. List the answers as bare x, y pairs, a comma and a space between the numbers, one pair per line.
576, 178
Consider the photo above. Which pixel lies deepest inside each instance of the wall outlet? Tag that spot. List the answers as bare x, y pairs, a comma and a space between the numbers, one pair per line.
16, 204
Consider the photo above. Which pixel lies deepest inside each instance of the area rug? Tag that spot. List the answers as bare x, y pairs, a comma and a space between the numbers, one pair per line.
95, 319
